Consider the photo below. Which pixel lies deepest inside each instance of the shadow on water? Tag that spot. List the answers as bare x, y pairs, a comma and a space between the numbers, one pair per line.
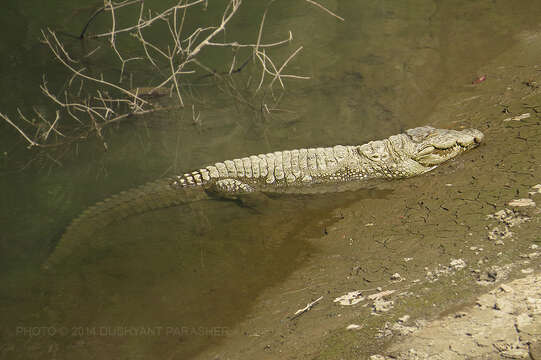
170, 282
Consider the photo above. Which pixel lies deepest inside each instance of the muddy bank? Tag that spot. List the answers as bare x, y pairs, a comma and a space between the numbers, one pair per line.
505, 323
431, 247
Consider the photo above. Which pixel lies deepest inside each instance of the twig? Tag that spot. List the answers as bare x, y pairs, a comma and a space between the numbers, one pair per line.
30, 141
325, 9
234, 5
96, 13
93, 111
255, 46
79, 72
174, 76
279, 74
260, 32
306, 308
151, 20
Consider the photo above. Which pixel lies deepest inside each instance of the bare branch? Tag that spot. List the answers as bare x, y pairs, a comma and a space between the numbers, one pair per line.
325, 9
30, 141
232, 7
255, 46
109, 102
279, 74
79, 72
151, 20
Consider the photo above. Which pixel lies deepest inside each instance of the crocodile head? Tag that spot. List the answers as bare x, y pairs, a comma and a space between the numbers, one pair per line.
434, 146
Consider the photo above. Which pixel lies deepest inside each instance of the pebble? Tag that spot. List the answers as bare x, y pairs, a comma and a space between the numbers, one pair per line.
381, 305
536, 188
458, 264
404, 319
380, 294
351, 298
522, 202
518, 117
504, 306
522, 321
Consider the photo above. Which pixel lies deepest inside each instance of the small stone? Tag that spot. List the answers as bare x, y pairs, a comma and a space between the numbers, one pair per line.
522, 321
381, 305
535, 350
404, 319
504, 306
485, 301
458, 264
527, 271
518, 117
502, 346
499, 242
353, 327
522, 202
516, 354
396, 277
351, 298
377, 357
380, 295
421, 323
534, 305
403, 330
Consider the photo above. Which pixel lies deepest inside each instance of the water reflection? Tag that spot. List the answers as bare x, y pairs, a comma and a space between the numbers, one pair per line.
189, 271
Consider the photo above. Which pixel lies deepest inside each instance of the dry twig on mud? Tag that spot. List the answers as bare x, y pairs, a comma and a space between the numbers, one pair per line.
308, 307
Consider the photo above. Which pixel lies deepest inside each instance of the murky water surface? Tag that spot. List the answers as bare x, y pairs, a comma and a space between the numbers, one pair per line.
166, 284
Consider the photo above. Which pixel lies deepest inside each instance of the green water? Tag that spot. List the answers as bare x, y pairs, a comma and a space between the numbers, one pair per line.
187, 274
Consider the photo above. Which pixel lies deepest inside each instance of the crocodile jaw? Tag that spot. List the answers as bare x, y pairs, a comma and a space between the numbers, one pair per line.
435, 146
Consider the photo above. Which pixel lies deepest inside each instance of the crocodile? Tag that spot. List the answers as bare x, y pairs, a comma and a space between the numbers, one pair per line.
300, 171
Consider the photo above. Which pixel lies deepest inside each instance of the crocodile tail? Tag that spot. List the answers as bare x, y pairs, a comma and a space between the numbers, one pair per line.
151, 196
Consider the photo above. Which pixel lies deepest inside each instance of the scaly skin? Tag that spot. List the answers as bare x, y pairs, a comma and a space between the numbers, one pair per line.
337, 168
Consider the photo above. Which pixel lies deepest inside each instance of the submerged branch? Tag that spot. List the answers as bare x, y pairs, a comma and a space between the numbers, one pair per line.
96, 102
